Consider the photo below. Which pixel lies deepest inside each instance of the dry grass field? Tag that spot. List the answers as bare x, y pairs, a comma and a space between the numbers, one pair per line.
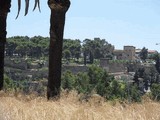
68, 107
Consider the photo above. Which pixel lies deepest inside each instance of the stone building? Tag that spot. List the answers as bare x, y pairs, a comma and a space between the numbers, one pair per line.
128, 53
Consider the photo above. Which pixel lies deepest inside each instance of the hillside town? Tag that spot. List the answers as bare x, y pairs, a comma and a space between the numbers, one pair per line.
130, 53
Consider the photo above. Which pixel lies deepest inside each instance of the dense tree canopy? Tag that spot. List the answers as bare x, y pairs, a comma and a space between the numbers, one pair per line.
38, 46
97, 48
72, 47
24, 46
144, 54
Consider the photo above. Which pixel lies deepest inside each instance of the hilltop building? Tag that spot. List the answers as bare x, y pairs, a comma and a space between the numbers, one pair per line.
128, 53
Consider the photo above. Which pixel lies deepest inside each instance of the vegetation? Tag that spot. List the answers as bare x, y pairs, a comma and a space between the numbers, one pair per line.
98, 81
9, 84
71, 49
155, 89
38, 47
143, 54
68, 107
157, 59
34, 47
97, 48
57, 21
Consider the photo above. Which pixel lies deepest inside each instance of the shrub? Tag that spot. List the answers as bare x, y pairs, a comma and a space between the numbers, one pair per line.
68, 80
8, 83
97, 80
116, 90
155, 91
103, 85
82, 83
135, 95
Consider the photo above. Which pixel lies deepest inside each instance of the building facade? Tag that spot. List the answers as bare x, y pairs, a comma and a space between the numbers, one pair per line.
128, 53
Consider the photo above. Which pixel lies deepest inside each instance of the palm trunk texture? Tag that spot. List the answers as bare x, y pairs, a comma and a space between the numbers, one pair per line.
57, 22
4, 9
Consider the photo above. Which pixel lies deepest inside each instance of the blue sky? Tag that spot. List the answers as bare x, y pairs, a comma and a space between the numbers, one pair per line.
120, 22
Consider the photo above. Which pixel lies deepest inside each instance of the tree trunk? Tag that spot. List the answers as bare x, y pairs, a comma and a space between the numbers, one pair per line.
4, 9
57, 21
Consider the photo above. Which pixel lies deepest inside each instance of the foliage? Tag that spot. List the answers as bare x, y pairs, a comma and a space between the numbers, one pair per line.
155, 90
115, 91
82, 83
144, 54
22, 46
138, 74
97, 48
66, 54
8, 83
135, 95
157, 65
71, 47
38, 47
148, 76
23, 86
97, 80
68, 80
153, 56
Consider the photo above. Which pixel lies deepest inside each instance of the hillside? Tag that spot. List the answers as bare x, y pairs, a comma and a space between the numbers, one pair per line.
69, 108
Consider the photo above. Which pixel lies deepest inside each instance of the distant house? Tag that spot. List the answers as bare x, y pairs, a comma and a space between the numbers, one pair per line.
137, 52
128, 53
118, 54
150, 52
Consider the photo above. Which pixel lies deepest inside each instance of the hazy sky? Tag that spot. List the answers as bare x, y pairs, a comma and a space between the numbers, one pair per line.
120, 22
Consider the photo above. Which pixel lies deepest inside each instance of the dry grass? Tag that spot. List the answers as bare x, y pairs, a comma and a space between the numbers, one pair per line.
69, 108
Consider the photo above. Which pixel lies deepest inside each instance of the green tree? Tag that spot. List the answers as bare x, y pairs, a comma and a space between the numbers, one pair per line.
157, 65
36, 46
153, 56
103, 85
97, 48
155, 90
82, 83
67, 54
144, 54
73, 46
68, 80
135, 95
99, 80
10, 46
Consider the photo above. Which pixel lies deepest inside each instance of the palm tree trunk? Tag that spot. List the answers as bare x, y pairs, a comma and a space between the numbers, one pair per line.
57, 22
4, 9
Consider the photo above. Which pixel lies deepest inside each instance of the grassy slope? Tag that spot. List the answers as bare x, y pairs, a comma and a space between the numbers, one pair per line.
68, 108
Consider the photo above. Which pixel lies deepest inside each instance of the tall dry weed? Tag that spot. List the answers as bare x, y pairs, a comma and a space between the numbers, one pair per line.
68, 107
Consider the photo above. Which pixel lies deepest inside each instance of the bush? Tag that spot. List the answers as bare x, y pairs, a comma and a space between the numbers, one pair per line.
117, 92
97, 80
8, 83
82, 83
103, 85
14, 86
135, 95
155, 91
68, 80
